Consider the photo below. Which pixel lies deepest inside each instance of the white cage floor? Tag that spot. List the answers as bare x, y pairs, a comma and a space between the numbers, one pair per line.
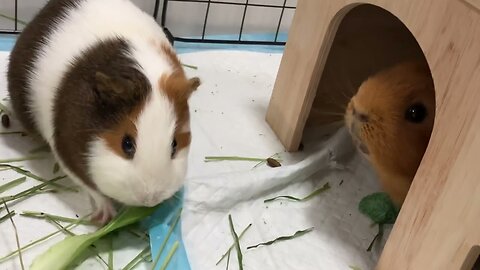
228, 113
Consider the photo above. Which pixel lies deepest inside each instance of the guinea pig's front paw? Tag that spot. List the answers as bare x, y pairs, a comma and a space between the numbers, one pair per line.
104, 212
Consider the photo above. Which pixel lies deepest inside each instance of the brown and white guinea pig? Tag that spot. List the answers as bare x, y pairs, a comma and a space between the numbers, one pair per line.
100, 82
390, 119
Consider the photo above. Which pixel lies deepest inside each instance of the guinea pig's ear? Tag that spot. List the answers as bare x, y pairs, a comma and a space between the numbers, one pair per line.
177, 86
107, 87
193, 84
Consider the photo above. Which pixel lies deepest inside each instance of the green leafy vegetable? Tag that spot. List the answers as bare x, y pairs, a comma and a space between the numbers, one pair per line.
70, 233
237, 243
308, 197
379, 208
12, 184
283, 238
354, 267
233, 245
61, 255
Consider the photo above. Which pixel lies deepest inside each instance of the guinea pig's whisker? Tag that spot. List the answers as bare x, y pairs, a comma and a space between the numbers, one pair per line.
347, 97
336, 103
346, 83
339, 106
340, 122
331, 113
350, 87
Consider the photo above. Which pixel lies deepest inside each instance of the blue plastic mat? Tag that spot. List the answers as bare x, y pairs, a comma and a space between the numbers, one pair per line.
7, 42
164, 233
184, 47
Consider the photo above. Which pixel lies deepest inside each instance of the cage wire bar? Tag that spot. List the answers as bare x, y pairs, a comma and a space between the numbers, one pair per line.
203, 39
239, 40
15, 21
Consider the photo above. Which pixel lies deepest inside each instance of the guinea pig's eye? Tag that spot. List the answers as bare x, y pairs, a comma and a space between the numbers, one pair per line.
128, 146
174, 148
416, 113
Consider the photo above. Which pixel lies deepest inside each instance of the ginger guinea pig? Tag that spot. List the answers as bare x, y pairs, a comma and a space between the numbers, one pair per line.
99, 81
390, 119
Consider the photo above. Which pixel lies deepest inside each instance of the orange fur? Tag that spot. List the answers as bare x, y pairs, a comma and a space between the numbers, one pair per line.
178, 89
375, 117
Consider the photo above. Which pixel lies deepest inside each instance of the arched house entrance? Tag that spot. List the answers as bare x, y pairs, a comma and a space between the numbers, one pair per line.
334, 45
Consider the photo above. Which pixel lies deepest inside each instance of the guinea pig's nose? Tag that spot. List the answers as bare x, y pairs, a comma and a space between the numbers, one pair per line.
150, 201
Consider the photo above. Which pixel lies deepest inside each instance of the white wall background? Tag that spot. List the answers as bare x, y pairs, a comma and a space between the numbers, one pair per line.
186, 18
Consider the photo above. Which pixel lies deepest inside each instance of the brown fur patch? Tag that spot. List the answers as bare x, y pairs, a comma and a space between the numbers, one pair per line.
100, 95
114, 136
183, 139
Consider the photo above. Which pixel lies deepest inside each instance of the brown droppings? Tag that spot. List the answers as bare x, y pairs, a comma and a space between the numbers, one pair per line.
5, 121
271, 162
